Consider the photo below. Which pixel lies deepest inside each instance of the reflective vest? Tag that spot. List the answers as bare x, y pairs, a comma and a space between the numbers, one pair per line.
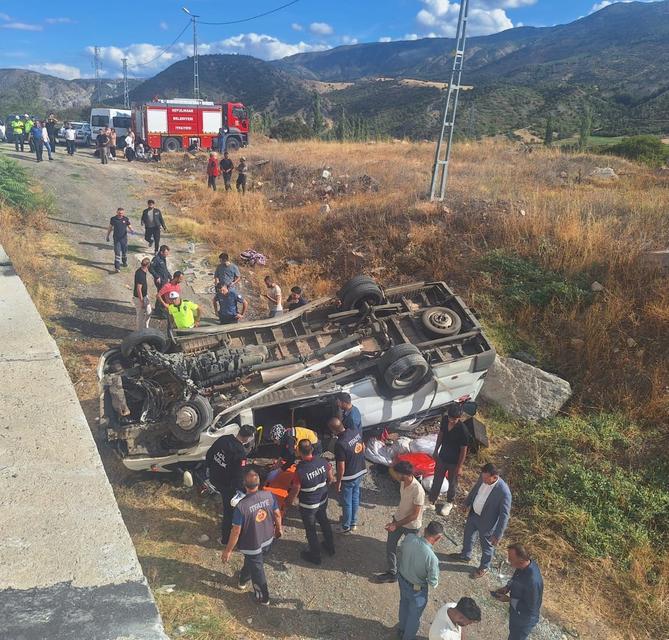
351, 450
302, 433
313, 475
28, 125
184, 314
17, 126
257, 529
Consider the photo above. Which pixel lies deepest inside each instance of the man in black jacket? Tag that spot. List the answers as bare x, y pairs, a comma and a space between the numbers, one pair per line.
152, 221
226, 459
158, 269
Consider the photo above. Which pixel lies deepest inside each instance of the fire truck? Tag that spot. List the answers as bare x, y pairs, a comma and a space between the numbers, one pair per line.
173, 125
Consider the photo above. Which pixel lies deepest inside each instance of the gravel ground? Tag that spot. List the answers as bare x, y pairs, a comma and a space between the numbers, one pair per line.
335, 600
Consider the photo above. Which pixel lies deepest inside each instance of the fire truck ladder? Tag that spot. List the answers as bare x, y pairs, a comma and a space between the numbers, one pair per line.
445, 143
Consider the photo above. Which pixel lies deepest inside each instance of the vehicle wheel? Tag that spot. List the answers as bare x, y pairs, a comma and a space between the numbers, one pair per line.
191, 418
363, 291
153, 337
403, 369
171, 145
354, 282
232, 144
441, 321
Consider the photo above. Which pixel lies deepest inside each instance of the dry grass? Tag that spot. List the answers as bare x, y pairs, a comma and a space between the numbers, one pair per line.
544, 207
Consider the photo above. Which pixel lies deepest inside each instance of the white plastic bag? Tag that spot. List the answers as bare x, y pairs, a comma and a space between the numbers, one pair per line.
427, 484
424, 444
402, 445
378, 453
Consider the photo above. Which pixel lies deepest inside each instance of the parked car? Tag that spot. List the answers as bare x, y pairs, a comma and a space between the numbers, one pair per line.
84, 134
403, 353
2, 130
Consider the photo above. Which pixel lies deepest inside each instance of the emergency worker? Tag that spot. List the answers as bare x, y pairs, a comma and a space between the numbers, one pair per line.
309, 492
225, 461
288, 439
256, 523
351, 467
18, 129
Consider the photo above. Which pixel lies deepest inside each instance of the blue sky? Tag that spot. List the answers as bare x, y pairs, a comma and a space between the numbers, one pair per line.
58, 37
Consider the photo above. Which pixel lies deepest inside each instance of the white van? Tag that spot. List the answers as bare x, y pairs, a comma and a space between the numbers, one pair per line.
119, 119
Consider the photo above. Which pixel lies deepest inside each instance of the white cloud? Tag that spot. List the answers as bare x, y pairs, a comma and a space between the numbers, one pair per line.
385, 39
56, 69
22, 26
349, 40
142, 62
4, 16
321, 29
296, 26
606, 3
440, 17
163, 25
59, 21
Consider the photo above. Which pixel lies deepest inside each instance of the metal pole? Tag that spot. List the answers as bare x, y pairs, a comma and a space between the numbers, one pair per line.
98, 83
440, 170
126, 96
196, 75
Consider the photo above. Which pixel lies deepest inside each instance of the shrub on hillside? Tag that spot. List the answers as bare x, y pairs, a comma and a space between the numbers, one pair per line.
647, 149
525, 282
291, 129
15, 190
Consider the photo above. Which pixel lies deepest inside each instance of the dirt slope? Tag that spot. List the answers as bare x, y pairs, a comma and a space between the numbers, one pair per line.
337, 600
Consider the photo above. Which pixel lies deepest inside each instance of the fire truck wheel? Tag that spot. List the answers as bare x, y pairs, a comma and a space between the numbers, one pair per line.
232, 144
171, 145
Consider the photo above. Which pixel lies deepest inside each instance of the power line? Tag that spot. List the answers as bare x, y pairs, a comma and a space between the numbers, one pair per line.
164, 51
260, 15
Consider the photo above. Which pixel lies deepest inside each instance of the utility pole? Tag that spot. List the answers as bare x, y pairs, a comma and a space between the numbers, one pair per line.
98, 81
196, 75
445, 143
126, 95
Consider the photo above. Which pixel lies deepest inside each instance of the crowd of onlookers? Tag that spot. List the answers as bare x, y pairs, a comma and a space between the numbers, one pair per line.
228, 303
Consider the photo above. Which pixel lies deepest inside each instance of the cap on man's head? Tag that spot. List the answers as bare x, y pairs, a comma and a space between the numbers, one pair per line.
174, 295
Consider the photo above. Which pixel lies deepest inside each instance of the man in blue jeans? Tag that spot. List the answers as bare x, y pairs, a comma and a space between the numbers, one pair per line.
120, 225
418, 570
524, 593
351, 467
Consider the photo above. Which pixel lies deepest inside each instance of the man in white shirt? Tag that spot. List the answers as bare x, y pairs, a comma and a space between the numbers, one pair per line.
489, 504
274, 297
450, 619
408, 518
70, 139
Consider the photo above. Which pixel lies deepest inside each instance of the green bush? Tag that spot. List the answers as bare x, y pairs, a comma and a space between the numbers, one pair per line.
15, 190
290, 129
647, 149
569, 482
525, 282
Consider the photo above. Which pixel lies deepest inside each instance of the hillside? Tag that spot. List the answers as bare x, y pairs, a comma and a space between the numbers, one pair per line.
258, 84
613, 60
22, 90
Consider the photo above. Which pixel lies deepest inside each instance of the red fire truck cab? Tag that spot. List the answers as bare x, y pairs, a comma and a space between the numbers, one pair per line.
173, 125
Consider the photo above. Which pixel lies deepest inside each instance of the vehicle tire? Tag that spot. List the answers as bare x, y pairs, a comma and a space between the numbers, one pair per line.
353, 282
153, 337
190, 419
232, 144
354, 296
403, 369
441, 321
171, 145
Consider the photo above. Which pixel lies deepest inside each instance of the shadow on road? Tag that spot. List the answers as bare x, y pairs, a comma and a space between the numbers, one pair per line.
104, 306
86, 263
91, 329
81, 224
